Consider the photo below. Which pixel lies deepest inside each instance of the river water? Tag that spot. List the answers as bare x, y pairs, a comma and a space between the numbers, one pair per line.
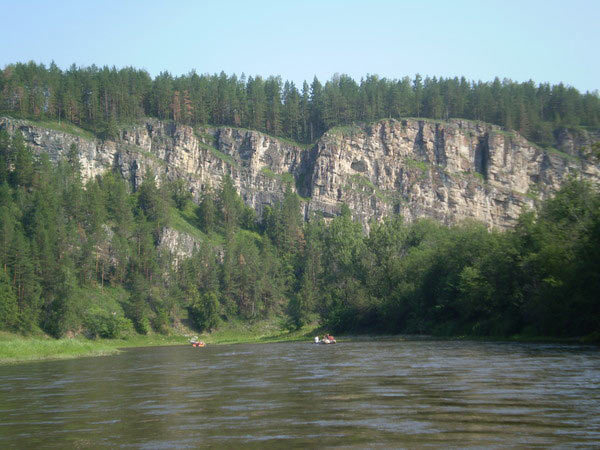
387, 393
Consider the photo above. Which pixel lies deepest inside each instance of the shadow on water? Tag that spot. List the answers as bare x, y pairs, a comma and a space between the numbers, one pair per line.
383, 392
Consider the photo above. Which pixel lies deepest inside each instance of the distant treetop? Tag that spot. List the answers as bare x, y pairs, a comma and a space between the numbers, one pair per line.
100, 98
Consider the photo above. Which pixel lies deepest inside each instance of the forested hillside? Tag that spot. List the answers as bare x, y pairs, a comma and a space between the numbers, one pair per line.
100, 98
85, 258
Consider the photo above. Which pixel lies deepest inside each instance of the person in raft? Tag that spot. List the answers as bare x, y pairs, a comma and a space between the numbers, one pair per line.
328, 339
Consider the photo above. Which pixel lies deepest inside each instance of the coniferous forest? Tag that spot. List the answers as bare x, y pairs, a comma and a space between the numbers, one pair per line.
65, 241
101, 98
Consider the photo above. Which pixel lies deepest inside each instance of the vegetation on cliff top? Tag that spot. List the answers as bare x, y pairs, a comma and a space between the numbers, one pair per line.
99, 99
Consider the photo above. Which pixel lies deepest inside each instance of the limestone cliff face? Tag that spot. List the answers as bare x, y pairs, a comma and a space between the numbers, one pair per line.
446, 170
258, 164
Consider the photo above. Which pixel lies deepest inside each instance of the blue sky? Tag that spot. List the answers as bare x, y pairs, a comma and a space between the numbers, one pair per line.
547, 41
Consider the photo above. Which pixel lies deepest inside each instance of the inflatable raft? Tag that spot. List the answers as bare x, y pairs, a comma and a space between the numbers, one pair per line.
196, 343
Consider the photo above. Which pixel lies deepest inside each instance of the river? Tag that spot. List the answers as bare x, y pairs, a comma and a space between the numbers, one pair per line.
384, 393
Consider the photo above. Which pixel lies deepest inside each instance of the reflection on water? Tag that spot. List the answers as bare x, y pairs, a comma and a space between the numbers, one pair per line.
386, 393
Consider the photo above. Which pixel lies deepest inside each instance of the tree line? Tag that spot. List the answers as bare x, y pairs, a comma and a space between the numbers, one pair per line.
100, 98
63, 240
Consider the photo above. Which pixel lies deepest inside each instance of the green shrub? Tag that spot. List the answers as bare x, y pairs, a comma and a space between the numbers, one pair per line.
160, 322
9, 311
100, 323
204, 311
142, 325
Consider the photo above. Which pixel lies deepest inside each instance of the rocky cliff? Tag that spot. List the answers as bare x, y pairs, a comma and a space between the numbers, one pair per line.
446, 170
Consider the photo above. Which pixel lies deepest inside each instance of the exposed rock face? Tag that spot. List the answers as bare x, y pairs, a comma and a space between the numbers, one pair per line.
576, 142
446, 170
176, 245
257, 163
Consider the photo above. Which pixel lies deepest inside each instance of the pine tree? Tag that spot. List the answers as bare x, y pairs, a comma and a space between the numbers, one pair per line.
22, 174
230, 206
9, 318
292, 122
154, 202
418, 95
316, 126
256, 103
273, 101
207, 212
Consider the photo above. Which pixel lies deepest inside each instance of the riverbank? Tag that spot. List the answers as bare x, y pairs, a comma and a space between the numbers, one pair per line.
258, 332
15, 348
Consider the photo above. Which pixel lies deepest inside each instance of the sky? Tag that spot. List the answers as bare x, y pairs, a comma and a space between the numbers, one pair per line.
546, 41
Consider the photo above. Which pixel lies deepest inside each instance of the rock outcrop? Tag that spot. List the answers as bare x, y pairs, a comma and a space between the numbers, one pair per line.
449, 170
177, 245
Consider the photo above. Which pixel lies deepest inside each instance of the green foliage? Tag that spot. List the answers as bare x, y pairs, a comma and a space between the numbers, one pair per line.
286, 178
103, 324
207, 212
180, 194
64, 127
230, 205
19, 348
160, 321
414, 164
228, 159
427, 278
345, 130
361, 184
100, 99
186, 221
283, 223
154, 201
264, 330
243, 276
108, 129
560, 154
204, 310
137, 307
8, 304
361, 180
595, 150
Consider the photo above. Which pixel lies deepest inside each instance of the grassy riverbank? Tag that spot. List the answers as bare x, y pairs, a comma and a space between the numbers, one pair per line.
15, 348
263, 331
